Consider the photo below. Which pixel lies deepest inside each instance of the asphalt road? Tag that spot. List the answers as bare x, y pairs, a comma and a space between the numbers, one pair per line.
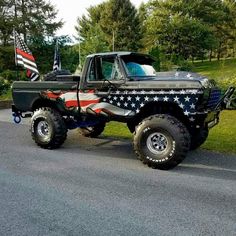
97, 187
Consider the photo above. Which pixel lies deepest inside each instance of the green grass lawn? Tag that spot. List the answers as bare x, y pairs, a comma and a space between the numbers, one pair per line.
222, 138
216, 69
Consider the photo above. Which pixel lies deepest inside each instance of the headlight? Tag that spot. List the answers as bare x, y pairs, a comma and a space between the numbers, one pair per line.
206, 83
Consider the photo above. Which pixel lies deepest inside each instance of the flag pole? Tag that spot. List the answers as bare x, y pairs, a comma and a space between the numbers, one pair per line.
17, 70
79, 45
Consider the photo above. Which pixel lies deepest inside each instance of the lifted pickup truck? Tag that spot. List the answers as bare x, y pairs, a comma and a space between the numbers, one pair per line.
168, 112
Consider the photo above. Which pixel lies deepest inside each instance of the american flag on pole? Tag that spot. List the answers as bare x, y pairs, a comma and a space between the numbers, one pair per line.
24, 57
57, 59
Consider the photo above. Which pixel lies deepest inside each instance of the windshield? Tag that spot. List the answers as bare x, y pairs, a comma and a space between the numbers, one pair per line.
137, 70
139, 66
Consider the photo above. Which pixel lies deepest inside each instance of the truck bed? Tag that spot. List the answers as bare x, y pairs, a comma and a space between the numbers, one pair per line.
25, 93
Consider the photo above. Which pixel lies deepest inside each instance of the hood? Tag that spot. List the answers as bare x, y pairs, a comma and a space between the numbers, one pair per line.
174, 75
172, 79
179, 75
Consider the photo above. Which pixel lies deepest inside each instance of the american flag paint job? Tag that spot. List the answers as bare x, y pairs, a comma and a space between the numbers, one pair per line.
128, 102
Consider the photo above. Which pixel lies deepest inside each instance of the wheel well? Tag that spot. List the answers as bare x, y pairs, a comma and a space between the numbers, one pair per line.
43, 103
153, 108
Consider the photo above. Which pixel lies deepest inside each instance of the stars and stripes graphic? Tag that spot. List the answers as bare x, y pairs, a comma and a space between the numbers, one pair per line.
130, 102
57, 58
185, 99
24, 57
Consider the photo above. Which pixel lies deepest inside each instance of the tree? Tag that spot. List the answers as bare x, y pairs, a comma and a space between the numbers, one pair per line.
189, 28
31, 18
120, 22
36, 21
44, 53
95, 41
90, 35
110, 25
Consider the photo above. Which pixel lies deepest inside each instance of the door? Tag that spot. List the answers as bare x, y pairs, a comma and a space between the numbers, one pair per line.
102, 83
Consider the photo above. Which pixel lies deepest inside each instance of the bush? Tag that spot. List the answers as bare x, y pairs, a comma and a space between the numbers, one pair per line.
185, 66
4, 86
8, 75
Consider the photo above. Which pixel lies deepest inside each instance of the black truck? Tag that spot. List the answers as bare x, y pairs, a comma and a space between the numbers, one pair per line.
169, 113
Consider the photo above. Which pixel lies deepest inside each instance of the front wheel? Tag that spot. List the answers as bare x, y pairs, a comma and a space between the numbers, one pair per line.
48, 128
161, 141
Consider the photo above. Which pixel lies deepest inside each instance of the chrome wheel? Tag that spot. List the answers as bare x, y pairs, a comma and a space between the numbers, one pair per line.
157, 143
43, 130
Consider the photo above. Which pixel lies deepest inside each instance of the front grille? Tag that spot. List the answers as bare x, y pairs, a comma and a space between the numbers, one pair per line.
214, 98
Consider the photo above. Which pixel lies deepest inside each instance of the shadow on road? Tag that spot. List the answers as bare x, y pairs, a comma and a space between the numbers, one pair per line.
209, 164
200, 162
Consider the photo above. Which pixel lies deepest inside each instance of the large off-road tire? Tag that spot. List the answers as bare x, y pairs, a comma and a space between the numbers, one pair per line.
198, 138
48, 128
93, 131
161, 141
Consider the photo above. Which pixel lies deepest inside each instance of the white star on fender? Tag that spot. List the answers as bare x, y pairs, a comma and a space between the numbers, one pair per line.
192, 106
186, 113
132, 105
172, 91
129, 98
166, 99
134, 92
118, 104
181, 105
137, 98
146, 98
122, 98
187, 99
142, 92
137, 111
176, 99
125, 104
142, 104
115, 98
117, 92
194, 91
189, 75
155, 98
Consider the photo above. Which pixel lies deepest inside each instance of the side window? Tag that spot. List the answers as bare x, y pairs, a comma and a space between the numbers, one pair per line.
91, 71
110, 69
104, 68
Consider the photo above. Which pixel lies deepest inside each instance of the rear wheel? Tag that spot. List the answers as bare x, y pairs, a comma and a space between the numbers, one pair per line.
93, 131
48, 128
161, 141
